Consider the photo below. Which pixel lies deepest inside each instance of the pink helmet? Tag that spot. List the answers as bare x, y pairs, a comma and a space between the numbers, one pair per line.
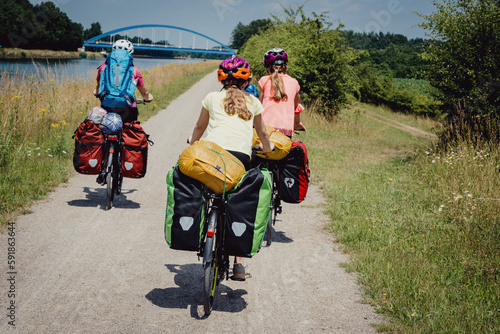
234, 71
274, 57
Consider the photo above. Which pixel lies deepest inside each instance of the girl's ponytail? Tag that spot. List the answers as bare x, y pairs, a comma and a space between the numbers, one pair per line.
235, 102
277, 83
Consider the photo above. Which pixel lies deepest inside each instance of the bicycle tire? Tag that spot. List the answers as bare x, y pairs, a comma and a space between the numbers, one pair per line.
209, 268
210, 280
109, 191
116, 181
269, 231
117, 175
272, 214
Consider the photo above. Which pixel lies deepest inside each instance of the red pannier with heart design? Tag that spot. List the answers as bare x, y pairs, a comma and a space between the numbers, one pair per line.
89, 147
294, 174
135, 150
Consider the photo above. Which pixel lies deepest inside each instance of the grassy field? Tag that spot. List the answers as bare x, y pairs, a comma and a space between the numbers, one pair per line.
420, 225
38, 116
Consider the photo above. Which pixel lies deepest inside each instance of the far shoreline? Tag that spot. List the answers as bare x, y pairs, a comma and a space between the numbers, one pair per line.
25, 54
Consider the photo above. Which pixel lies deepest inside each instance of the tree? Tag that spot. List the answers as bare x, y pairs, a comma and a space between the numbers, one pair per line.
242, 33
56, 30
42, 26
95, 30
318, 56
18, 23
463, 54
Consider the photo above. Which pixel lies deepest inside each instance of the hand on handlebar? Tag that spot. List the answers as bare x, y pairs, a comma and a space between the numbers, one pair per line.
261, 147
145, 100
299, 127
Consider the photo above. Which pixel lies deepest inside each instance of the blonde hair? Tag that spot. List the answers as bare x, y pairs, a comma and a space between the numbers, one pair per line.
277, 82
235, 102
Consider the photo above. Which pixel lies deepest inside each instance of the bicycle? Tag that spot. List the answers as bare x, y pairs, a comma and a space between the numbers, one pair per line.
274, 167
112, 164
215, 260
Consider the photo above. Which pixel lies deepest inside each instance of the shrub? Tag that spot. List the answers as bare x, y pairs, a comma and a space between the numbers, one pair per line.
318, 57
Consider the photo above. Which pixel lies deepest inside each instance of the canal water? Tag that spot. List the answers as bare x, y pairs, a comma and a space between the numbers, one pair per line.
73, 69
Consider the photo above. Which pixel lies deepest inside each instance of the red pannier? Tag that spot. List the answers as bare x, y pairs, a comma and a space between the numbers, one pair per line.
294, 174
135, 150
89, 147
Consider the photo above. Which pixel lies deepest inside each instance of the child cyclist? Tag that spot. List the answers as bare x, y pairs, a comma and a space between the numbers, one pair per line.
229, 116
131, 112
280, 94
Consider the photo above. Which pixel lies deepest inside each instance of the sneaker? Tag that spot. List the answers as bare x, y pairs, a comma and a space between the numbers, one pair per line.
240, 272
100, 179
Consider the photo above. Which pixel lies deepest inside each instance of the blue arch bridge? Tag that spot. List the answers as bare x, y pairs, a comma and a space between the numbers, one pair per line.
161, 38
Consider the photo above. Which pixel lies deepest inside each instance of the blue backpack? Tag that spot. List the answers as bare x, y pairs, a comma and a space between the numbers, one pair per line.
116, 87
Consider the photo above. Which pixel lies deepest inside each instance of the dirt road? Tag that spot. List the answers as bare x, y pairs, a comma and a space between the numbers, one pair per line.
82, 269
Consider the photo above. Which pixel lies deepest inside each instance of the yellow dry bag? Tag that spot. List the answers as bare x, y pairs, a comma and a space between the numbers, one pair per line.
282, 144
212, 165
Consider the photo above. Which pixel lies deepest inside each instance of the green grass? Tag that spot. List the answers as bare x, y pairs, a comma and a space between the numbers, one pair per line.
420, 226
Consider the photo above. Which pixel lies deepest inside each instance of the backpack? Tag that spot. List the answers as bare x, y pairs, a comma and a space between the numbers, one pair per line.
185, 214
89, 147
294, 174
248, 207
116, 86
135, 150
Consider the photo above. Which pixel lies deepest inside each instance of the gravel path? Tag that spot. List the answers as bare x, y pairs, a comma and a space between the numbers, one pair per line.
83, 269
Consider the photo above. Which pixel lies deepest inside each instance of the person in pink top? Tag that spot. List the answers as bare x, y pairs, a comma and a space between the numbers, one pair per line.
131, 112
280, 94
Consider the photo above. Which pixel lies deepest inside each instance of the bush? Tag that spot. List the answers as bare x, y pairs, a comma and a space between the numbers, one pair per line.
323, 72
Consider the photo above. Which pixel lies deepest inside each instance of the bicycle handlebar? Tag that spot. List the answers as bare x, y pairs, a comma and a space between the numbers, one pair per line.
142, 101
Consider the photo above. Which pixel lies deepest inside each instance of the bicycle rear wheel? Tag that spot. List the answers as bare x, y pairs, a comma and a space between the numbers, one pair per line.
272, 214
269, 231
117, 175
210, 268
210, 272
109, 191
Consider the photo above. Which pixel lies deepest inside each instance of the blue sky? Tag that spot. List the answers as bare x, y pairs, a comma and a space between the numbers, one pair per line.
218, 18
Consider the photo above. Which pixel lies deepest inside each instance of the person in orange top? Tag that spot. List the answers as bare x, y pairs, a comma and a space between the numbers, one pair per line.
280, 94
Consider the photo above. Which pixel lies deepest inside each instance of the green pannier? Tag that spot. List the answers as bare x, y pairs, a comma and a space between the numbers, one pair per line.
185, 212
248, 208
